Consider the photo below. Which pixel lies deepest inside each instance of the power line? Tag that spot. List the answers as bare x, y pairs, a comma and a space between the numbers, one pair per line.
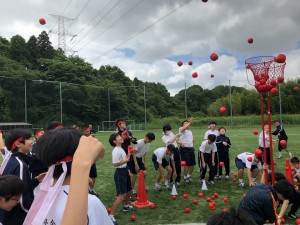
109, 27
81, 11
146, 28
99, 21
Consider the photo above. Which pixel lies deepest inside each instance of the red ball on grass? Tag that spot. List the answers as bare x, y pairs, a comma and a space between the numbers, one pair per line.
233, 180
296, 89
216, 194
297, 221
213, 197
174, 197
210, 205
153, 206
195, 201
187, 210
235, 174
185, 196
225, 199
200, 195
133, 217
208, 199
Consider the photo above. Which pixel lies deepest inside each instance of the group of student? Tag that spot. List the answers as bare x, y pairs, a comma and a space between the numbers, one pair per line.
47, 163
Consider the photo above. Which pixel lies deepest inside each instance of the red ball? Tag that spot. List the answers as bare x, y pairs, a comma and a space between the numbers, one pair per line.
282, 220
248, 66
244, 195
283, 143
255, 132
133, 217
222, 110
174, 197
221, 164
211, 205
214, 204
183, 163
130, 149
273, 82
185, 196
214, 57
216, 194
190, 63
249, 159
212, 76
42, 21
262, 81
235, 174
195, 75
213, 197
250, 40
208, 199
225, 199
258, 153
274, 91
296, 89
292, 168
153, 206
195, 201
200, 195
187, 210
297, 221
179, 63
109, 210
233, 180
280, 58
280, 79
213, 208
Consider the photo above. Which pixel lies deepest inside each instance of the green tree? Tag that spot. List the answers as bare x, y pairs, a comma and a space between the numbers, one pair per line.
44, 46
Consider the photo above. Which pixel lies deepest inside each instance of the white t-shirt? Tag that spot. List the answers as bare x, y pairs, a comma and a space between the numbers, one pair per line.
261, 140
215, 132
244, 157
166, 137
97, 213
297, 170
208, 148
161, 154
141, 148
118, 155
186, 137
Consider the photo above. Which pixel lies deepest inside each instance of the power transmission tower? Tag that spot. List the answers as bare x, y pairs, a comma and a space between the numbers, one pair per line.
62, 32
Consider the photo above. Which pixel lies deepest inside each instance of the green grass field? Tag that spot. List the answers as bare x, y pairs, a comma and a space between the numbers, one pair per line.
169, 211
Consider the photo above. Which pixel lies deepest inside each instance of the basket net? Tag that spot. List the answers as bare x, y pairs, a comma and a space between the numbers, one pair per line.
266, 72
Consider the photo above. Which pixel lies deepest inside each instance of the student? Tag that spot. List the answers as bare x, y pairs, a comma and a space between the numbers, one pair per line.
223, 145
267, 144
253, 163
212, 130
139, 157
37, 134
161, 160
4, 151
19, 143
260, 201
56, 149
92, 132
77, 204
296, 173
125, 134
187, 151
11, 189
121, 176
170, 138
207, 152
54, 125
230, 217
280, 132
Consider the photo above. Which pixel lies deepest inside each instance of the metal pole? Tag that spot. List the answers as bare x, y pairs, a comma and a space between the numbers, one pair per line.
230, 102
60, 96
108, 104
25, 87
145, 105
280, 109
185, 100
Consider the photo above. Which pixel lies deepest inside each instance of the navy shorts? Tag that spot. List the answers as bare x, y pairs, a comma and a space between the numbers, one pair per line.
122, 181
139, 162
93, 171
164, 163
240, 165
188, 155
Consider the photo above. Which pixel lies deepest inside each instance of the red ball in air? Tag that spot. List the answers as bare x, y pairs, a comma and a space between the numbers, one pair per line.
42, 21
190, 63
185, 196
222, 110
255, 132
296, 89
195, 75
283, 143
225, 199
250, 40
214, 57
133, 217
179, 63
221, 164
274, 91
212, 76
183, 163
280, 58
187, 210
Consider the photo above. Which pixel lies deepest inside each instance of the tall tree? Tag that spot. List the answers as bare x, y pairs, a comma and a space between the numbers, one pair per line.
18, 49
33, 51
44, 46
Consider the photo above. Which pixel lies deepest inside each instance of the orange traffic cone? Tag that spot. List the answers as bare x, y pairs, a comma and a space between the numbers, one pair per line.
288, 172
141, 201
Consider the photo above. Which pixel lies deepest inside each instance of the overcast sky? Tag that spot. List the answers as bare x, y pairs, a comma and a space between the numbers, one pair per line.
146, 38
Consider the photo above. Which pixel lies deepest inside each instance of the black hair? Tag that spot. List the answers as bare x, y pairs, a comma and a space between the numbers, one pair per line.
36, 130
57, 144
10, 185
150, 136
294, 159
277, 175
13, 135
184, 122
231, 217
171, 147
112, 138
285, 188
277, 121
212, 137
212, 122
53, 124
221, 128
119, 120
167, 127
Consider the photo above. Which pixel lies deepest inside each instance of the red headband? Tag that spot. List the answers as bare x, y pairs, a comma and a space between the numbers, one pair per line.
14, 145
87, 129
66, 159
38, 133
120, 122
59, 126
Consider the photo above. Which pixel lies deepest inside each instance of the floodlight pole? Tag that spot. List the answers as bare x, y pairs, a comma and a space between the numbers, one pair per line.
230, 102
145, 105
280, 109
60, 99
25, 100
185, 100
108, 97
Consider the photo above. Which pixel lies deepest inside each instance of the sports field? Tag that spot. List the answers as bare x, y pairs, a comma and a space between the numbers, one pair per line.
169, 211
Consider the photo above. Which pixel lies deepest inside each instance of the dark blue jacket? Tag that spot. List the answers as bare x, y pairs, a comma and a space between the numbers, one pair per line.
220, 146
281, 131
18, 165
259, 204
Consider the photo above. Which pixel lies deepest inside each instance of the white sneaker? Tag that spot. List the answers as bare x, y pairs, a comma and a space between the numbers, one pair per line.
113, 219
177, 184
242, 185
157, 188
211, 182
227, 177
